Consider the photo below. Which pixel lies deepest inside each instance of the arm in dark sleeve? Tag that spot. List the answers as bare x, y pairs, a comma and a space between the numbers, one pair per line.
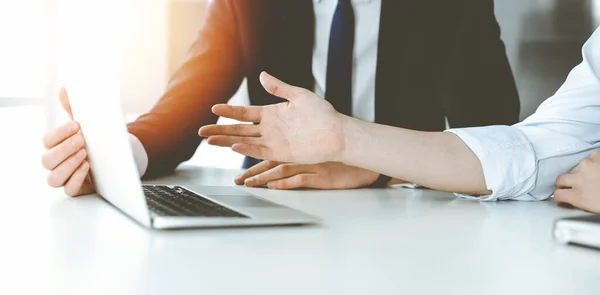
211, 73
483, 90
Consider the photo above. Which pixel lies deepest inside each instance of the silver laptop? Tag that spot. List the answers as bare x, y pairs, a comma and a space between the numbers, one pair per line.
117, 180
584, 230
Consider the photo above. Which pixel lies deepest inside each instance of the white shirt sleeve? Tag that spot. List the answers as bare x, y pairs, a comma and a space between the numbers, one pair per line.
139, 154
522, 162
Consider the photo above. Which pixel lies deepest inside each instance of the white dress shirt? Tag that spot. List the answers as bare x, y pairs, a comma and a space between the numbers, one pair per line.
367, 14
522, 162
366, 36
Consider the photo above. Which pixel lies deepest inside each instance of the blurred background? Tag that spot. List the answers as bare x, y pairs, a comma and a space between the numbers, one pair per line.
543, 40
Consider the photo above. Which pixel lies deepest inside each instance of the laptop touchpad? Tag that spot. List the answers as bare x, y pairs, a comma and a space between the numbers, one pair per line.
242, 201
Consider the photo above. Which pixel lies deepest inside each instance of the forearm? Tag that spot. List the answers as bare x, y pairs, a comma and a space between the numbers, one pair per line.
433, 159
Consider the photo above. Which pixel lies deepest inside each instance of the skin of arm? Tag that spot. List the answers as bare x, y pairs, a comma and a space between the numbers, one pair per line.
437, 160
307, 130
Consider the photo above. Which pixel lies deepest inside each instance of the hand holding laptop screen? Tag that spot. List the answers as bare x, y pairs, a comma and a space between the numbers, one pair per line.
66, 156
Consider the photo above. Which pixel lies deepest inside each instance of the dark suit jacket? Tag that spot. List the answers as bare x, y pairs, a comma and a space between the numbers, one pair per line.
435, 59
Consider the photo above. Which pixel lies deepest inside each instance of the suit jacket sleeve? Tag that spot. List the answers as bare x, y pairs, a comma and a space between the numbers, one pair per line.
482, 77
211, 73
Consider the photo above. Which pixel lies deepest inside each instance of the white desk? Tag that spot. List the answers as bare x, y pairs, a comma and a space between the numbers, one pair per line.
392, 241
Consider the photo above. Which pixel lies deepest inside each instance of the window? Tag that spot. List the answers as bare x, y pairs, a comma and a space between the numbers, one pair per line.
23, 51
39, 46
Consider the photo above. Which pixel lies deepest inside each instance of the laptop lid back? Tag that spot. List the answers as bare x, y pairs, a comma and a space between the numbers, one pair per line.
114, 171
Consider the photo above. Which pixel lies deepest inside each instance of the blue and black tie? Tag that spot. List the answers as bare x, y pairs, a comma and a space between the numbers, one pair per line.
338, 88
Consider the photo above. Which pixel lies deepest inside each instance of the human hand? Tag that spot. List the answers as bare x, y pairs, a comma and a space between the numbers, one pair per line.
330, 176
581, 187
306, 129
65, 156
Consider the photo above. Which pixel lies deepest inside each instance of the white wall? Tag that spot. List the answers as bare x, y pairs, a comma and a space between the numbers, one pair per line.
166, 30
145, 66
145, 63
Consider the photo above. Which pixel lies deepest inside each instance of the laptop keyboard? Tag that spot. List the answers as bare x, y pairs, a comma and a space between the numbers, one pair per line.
178, 201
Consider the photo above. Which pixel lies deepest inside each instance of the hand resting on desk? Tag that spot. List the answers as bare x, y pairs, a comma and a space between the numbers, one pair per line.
581, 187
330, 175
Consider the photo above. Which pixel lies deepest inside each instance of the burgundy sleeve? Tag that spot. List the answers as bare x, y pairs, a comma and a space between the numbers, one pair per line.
211, 73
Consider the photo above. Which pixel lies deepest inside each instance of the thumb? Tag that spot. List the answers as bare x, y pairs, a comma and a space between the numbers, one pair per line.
64, 101
278, 88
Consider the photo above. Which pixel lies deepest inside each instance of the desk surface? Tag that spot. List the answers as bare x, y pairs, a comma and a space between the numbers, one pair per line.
392, 241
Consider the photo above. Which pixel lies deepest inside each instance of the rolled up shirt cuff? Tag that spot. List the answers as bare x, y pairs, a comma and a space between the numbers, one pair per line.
507, 158
139, 154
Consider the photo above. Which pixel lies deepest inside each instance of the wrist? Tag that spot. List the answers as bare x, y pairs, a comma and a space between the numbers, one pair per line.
349, 127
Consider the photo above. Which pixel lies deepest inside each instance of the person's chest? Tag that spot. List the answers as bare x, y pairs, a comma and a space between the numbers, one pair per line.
367, 15
290, 40
364, 64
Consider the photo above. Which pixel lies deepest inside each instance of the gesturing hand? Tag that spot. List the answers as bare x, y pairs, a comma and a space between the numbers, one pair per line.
305, 129
581, 187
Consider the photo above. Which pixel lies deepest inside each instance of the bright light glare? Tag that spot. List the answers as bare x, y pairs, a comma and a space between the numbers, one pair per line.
92, 37
22, 48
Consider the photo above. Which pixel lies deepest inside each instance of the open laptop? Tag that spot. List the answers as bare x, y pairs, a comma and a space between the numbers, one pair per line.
584, 230
117, 179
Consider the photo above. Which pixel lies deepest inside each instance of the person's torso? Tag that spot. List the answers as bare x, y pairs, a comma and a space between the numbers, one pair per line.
399, 73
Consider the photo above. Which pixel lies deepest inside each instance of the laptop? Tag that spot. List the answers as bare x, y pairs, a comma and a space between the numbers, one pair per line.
117, 180
583, 230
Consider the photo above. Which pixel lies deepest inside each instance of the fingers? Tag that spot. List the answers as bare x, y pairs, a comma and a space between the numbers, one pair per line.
568, 196
64, 101
238, 129
59, 134
254, 170
228, 141
294, 182
278, 173
240, 113
278, 88
65, 170
76, 184
254, 151
561, 195
596, 156
580, 187
62, 151
566, 181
